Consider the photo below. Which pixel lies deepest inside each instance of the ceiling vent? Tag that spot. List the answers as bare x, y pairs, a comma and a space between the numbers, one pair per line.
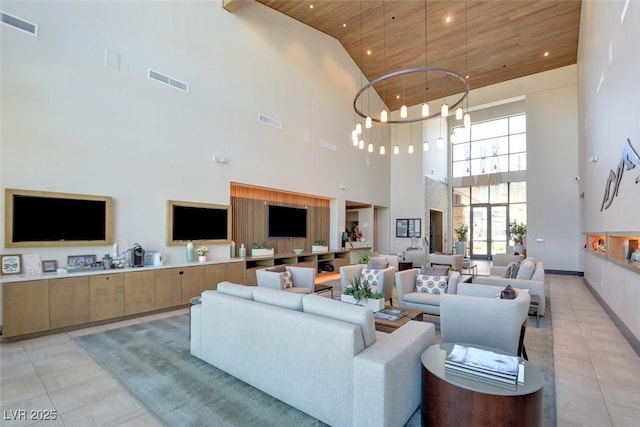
162, 78
19, 23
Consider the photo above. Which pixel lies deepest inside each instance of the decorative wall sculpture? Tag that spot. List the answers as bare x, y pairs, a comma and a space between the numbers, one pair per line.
629, 160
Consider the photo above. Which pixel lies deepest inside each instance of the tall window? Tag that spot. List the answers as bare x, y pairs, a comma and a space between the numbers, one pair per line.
498, 145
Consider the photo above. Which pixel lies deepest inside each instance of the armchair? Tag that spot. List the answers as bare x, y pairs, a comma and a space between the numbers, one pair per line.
477, 315
442, 259
383, 282
409, 297
501, 261
302, 279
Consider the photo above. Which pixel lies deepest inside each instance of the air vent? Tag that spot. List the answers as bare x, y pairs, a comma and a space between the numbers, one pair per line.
19, 23
268, 120
162, 78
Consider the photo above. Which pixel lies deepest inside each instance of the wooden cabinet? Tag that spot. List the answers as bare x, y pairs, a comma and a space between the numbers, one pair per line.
168, 287
106, 296
216, 273
340, 259
68, 301
192, 283
139, 291
25, 307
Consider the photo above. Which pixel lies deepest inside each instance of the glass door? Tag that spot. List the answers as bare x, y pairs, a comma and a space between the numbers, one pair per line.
488, 230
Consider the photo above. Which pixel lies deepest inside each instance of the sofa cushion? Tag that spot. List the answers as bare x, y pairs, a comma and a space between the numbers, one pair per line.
372, 276
378, 263
233, 289
434, 271
422, 298
511, 271
287, 279
432, 284
344, 312
526, 270
277, 268
278, 298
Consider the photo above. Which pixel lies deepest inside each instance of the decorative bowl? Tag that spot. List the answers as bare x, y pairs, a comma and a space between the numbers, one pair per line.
298, 251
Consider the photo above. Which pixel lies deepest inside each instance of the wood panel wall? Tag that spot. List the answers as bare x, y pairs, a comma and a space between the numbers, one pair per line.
249, 209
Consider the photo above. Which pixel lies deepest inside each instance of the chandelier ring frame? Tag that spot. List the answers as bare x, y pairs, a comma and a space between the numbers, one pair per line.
425, 70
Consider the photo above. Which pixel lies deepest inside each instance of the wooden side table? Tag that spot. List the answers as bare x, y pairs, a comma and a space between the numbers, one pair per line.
452, 400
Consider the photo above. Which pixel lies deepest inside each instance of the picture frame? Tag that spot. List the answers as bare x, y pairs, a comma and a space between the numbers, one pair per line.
409, 227
31, 264
11, 264
49, 265
80, 260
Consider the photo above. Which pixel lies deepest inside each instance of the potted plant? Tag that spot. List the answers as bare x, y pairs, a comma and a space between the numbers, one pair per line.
360, 292
516, 232
461, 245
319, 245
202, 253
363, 258
263, 248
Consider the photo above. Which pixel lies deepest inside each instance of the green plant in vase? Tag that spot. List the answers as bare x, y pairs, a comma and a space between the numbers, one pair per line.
363, 257
360, 289
516, 232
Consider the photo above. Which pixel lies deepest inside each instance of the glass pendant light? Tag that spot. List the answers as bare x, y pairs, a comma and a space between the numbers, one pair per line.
410, 149
383, 116
382, 150
370, 147
361, 144
403, 112
358, 128
367, 122
354, 138
467, 120
425, 146
396, 149
459, 113
440, 142
425, 109
444, 112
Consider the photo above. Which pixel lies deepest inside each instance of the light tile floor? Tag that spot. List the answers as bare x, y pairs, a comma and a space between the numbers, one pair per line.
597, 372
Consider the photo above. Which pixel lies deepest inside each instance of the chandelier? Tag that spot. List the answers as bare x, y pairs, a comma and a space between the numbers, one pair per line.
441, 74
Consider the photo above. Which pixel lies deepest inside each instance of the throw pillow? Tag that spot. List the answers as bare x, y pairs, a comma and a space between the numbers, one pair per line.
378, 263
526, 270
512, 270
277, 268
434, 271
372, 276
432, 284
287, 280
508, 293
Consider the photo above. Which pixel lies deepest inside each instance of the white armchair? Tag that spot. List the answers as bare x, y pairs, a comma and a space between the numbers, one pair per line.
409, 296
442, 259
477, 315
302, 279
501, 261
383, 281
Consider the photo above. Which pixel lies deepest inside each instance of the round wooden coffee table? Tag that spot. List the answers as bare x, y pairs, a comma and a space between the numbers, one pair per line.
451, 400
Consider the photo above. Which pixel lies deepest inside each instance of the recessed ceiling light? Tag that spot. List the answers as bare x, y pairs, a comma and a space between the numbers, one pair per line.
397, 96
447, 19
368, 51
344, 25
546, 54
310, 6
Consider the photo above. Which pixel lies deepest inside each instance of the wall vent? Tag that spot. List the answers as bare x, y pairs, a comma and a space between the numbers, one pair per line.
269, 121
19, 23
162, 78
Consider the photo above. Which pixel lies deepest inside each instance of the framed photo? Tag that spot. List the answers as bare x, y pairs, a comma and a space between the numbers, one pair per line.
11, 264
409, 227
31, 264
49, 265
80, 260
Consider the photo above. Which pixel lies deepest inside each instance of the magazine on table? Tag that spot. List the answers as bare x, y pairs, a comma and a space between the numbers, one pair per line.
390, 313
483, 360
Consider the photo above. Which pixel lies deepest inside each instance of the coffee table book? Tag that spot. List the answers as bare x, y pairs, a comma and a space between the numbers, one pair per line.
483, 365
390, 313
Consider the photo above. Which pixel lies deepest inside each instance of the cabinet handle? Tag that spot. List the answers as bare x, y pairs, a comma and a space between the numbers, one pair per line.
181, 273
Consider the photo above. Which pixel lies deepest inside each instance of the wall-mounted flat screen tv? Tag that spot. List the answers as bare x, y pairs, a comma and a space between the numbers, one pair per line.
47, 219
201, 223
284, 221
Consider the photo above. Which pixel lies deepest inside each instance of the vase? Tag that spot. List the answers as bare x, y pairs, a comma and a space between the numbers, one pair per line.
461, 248
202, 258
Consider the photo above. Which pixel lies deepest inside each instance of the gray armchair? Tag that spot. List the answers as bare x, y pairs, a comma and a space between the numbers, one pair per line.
409, 297
384, 278
477, 315
303, 279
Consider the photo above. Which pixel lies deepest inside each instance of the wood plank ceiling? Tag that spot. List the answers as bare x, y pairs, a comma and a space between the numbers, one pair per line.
491, 41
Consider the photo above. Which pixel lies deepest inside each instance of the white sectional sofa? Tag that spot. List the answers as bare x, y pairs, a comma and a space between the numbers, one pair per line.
316, 354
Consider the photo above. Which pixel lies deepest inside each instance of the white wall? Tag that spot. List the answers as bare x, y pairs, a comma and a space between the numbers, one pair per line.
609, 66
70, 124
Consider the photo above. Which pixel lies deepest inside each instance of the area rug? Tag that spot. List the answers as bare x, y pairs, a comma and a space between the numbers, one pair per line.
153, 362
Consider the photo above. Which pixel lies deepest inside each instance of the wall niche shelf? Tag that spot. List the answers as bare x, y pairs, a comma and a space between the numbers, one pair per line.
618, 247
